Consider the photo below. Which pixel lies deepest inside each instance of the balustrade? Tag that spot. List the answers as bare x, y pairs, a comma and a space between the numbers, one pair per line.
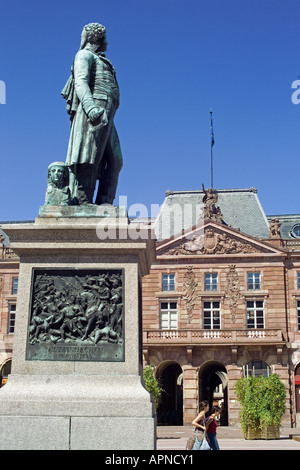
212, 336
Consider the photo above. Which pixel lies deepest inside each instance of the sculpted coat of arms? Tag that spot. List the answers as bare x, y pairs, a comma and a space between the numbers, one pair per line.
211, 242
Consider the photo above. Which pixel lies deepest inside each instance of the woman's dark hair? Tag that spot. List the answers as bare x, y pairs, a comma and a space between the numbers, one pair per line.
203, 404
215, 408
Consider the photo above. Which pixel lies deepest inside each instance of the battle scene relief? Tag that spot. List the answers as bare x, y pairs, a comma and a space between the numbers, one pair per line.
76, 314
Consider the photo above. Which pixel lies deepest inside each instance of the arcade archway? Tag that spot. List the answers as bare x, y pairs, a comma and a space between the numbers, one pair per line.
170, 409
213, 382
5, 370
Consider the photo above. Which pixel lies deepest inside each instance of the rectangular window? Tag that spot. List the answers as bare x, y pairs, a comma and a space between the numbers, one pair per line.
211, 281
11, 318
253, 281
298, 314
211, 315
14, 290
255, 314
298, 280
168, 282
168, 316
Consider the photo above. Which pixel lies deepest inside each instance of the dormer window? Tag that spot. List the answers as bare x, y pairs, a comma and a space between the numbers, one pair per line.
295, 231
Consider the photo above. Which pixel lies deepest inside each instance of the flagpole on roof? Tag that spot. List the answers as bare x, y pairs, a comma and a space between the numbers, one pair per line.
212, 142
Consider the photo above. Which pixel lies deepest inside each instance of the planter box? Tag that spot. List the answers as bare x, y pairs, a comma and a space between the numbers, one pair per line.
253, 434
270, 432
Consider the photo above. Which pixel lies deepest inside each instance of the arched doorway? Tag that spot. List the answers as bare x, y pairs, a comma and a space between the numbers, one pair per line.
170, 409
213, 381
4, 372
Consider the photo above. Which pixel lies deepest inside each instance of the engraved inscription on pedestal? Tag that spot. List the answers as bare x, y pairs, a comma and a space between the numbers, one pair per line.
76, 315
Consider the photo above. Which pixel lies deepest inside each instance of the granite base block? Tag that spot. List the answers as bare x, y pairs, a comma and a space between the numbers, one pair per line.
90, 396
112, 433
76, 433
34, 433
74, 402
76, 413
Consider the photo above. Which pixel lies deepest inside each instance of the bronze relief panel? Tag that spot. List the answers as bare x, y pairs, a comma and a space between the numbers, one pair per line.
76, 315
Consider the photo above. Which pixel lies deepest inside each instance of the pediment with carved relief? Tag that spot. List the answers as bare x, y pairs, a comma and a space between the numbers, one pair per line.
212, 239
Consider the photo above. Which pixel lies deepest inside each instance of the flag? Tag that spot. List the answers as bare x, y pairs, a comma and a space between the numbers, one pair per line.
212, 130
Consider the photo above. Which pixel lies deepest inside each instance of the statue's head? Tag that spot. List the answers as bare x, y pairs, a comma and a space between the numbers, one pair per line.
94, 33
58, 174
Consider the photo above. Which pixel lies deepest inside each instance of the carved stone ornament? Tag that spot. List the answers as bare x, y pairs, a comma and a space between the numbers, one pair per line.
2, 249
211, 211
232, 290
212, 242
190, 287
274, 229
76, 315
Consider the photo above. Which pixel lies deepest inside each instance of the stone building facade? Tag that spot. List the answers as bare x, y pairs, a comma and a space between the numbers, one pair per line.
9, 274
222, 300
220, 303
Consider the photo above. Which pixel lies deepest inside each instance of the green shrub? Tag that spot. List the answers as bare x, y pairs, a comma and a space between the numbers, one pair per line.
152, 385
262, 401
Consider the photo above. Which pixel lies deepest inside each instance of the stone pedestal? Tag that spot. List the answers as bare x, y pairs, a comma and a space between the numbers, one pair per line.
65, 393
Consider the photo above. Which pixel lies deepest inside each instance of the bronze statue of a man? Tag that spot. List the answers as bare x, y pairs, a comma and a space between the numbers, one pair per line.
92, 95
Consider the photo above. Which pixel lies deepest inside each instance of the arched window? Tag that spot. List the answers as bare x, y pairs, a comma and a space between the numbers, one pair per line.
256, 369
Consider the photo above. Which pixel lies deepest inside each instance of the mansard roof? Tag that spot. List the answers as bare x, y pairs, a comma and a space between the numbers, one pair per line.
241, 209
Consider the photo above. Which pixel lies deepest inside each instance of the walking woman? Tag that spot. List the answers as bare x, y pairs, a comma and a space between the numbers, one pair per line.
199, 421
211, 426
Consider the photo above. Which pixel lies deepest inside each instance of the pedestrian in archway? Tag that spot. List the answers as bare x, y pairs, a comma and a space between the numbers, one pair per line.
199, 421
211, 426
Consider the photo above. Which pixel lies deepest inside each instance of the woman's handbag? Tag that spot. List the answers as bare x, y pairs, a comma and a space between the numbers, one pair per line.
201, 444
190, 442
197, 443
204, 444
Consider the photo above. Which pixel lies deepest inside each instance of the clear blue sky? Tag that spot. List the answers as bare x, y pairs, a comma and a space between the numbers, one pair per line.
175, 59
